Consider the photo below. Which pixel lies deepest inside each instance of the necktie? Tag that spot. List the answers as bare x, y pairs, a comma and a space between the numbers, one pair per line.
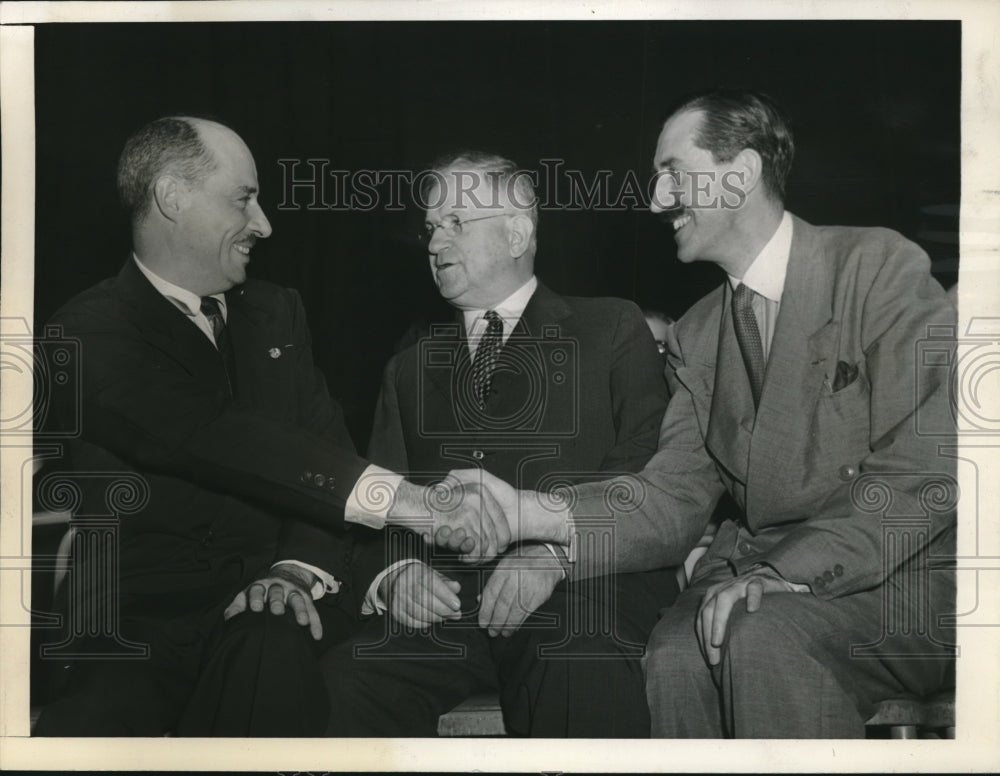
210, 309
748, 335
486, 357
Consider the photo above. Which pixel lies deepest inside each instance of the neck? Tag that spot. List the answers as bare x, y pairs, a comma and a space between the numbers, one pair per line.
752, 229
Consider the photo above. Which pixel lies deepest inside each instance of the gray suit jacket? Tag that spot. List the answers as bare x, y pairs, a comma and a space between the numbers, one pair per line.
825, 467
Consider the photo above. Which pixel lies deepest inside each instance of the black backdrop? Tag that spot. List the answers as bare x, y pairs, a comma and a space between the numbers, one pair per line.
875, 107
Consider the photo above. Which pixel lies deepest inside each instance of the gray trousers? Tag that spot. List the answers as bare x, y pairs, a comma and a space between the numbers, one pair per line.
801, 666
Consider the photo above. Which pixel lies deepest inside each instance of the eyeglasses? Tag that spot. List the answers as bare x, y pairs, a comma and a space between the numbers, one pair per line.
451, 225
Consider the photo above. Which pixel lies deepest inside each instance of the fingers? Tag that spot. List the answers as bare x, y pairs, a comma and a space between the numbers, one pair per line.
422, 597
703, 627
255, 595
238, 606
276, 599
305, 613
498, 518
755, 593
488, 599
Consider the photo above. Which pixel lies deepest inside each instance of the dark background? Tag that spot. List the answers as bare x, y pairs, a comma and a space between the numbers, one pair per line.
875, 109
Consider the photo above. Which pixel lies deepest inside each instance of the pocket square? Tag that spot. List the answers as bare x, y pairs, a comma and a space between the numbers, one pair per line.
846, 374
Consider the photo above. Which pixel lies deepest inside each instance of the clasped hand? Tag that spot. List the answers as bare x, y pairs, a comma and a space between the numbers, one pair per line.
465, 516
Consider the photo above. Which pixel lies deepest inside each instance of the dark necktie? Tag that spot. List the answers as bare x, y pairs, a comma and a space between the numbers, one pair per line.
748, 335
210, 309
486, 357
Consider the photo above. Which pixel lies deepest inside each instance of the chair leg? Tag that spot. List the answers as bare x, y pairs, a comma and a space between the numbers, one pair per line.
903, 731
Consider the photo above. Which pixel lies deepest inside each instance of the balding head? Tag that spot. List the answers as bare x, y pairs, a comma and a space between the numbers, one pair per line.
171, 145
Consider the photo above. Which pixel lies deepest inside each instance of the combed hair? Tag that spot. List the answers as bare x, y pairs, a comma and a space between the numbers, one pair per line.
505, 170
169, 144
734, 120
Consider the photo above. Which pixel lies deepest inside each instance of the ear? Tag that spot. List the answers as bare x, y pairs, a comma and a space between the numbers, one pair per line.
750, 167
168, 197
519, 233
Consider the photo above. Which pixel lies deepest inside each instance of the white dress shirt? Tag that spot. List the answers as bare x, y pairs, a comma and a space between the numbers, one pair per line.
766, 278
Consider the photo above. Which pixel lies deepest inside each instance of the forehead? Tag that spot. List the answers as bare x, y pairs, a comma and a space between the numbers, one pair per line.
677, 138
463, 190
234, 160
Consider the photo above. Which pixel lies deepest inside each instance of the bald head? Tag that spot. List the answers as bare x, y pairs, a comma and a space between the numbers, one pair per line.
172, 145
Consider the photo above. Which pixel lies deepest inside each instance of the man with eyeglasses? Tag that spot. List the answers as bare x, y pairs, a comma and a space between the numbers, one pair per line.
537, 389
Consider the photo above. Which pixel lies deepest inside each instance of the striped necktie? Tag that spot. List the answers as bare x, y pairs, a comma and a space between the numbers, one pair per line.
748, 335
486, 357
211, 309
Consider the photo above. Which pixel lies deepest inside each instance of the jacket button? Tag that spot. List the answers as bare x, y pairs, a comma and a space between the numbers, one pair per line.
478, 455
306, 476
331, 484
848, 472
819, 582
319, 480
838, 570
744, 548
828, 575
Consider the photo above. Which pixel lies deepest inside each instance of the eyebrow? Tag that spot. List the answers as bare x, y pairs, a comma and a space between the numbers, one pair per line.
247, 190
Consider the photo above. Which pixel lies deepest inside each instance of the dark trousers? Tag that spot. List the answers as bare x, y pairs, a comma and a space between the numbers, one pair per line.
571, 670
255, 675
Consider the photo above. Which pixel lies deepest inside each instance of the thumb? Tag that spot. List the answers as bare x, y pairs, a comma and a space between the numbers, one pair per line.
238, 605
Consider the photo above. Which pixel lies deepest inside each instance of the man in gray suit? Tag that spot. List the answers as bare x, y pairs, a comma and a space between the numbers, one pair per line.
798, 387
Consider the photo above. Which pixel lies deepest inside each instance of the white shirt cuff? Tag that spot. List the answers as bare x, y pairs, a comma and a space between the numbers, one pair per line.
373, 603
326, 583
372, 496
552, 548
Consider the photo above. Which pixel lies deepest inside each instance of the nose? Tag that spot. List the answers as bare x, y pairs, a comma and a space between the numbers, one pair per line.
438, 242
259, 223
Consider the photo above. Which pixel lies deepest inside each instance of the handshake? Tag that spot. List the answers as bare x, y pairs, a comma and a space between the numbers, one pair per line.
478, 515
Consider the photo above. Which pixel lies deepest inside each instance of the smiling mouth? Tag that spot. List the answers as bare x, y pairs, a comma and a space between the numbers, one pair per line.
680, 222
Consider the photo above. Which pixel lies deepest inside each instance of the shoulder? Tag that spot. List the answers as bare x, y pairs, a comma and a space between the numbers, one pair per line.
871, 246
602, 311
99, 304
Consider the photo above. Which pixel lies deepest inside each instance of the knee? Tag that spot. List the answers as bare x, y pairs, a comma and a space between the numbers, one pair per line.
771, 631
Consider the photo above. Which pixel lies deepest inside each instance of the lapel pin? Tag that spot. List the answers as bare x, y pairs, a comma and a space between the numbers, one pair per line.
274, 352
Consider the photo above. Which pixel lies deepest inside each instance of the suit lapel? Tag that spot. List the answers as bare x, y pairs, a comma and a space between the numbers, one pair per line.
795, 370
167, 328
540, 320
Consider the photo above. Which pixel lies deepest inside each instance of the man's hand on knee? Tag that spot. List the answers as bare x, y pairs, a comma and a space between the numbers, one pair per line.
719, 600
286, 586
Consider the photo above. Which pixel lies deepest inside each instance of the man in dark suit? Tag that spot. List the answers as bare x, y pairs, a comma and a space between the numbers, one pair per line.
798, 388
198, 387
539, 389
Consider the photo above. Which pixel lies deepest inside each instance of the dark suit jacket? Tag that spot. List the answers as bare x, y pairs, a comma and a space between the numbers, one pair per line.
810, 472
578, 393
229, 480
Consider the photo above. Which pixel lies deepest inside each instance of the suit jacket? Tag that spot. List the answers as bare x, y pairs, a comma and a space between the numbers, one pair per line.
229, 479
578, 393
822, 463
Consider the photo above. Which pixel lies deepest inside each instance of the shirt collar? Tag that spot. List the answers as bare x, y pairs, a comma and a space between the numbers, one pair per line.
510, 309
186, 301
766, 274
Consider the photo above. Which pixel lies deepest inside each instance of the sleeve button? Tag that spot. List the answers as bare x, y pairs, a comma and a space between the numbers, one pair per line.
478, 455
319, 480
306, 476
848, 472
838, 570
828, 576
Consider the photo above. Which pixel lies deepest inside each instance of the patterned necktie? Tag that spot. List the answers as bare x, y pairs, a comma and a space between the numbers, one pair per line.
486, 357
211, 309
748, 335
